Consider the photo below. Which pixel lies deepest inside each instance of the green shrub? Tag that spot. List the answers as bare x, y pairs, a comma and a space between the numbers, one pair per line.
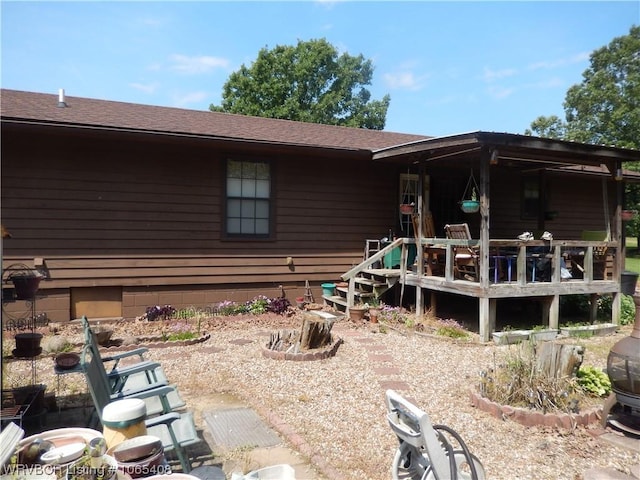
594, 381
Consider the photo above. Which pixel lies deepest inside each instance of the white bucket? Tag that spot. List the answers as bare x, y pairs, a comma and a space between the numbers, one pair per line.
123, 419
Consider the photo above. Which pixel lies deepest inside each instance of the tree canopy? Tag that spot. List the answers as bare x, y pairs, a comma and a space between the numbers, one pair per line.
308, 82
605, 108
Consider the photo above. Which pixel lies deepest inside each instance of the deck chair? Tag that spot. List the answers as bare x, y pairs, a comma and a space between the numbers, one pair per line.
465, 258
176, 429
131, 376
602, 260
432, 256
135, 378
426, 451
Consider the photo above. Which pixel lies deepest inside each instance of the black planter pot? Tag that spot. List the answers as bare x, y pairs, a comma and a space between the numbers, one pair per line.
28, 345
26, 286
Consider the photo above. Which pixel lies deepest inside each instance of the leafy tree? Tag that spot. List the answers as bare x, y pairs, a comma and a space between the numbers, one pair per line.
308, 82
605, 108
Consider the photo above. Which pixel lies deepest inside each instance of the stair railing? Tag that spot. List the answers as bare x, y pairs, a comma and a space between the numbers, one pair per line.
351, 275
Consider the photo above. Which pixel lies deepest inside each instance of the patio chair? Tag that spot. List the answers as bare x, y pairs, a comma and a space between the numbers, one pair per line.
121, 377
135, 378
426, 451
465, 258
176, 429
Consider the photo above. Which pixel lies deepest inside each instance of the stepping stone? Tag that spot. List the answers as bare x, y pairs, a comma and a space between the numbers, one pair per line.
239, 427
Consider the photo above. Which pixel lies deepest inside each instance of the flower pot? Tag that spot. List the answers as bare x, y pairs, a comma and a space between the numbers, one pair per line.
595, 330
543, 335
511, 336
406, 209
356, 314
328, 289
300, 302
373, 315
470, 206
27, 345
102, 335
26, 286
628, 215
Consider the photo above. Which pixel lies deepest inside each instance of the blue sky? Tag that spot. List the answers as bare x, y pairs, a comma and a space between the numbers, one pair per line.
449, 67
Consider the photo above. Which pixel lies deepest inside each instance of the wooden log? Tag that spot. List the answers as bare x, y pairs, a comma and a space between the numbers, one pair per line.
557, 360
315, 333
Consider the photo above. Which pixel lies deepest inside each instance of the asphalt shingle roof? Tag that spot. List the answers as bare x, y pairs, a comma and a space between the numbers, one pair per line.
42, 107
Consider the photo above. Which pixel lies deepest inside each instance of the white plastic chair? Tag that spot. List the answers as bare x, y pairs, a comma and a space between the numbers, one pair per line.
425, 451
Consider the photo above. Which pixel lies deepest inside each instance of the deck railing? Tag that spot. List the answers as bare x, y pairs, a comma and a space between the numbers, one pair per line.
517, 261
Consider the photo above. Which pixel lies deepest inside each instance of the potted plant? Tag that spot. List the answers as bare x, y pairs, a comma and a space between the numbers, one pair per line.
542, 333
356, 313
26, 283
588, 330
407, 208
374, 309
472, 205
509, 336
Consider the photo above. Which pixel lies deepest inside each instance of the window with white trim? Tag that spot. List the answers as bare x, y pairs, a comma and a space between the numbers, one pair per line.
248, 198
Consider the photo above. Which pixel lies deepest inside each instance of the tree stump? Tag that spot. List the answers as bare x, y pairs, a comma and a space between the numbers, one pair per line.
316, 332
557, 360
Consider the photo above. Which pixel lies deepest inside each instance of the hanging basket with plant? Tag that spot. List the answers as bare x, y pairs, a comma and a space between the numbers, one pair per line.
469, 202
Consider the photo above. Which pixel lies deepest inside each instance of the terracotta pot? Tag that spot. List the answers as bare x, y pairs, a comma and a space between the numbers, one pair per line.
373, 315
406, 209
356, 314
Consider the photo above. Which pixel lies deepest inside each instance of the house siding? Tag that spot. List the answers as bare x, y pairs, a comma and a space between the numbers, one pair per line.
147, 216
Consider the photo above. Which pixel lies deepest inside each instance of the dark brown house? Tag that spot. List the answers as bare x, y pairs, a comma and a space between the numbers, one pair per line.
126, 206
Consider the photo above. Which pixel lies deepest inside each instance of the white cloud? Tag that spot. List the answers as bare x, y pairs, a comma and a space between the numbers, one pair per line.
404, 80
553, 82
490, 75
146, 88
189, 98
549, 64
194, 65
500, 92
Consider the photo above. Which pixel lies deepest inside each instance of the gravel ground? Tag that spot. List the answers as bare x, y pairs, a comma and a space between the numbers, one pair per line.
337, 405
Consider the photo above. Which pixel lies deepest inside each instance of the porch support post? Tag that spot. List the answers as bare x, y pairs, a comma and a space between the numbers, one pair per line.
616, 307
593, 307
418, 236
621, 252
554, 312
484, 218
551, 311
487, 317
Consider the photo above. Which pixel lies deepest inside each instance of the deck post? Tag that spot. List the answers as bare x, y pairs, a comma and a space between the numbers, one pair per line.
554, 312
487, 317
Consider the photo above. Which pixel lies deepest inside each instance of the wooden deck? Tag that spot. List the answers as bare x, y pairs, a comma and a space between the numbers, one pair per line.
591, 273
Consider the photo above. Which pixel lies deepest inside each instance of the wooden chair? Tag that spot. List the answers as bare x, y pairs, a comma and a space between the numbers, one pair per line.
602, 259
433, 256
465, 258
427, 451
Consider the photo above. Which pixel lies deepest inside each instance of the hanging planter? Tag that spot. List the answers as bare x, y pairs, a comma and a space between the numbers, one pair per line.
407, 208
470, 206
469, 202
628, 215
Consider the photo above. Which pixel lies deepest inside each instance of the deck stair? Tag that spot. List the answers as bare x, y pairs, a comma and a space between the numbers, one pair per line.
364, 281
